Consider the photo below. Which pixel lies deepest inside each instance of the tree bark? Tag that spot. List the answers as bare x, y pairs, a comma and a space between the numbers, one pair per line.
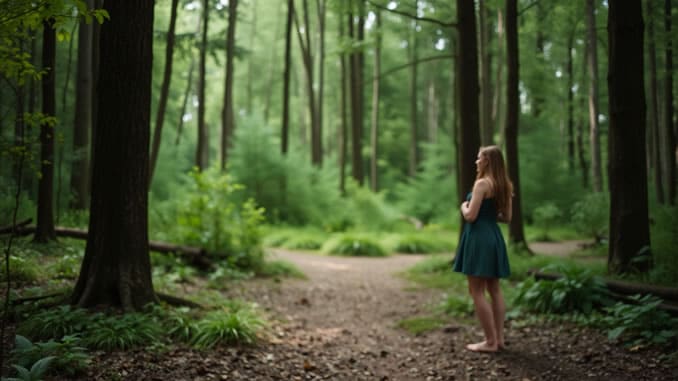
343, 129
116, 269
516, 230
654, 144
164, 90
374, 133
354, 32
321, 78
629, 225
467, 79
272, 65
250, 65
486, 126
45, 221
285, 132
596, 173
570, 103
228, 118
414, 122
497, 120
202, 150
669, 134
83, 118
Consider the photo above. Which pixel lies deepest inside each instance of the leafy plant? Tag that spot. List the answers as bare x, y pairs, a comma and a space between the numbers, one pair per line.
545, 217
457, 306
121, 332
68, 356
280, 269
227, 325
22, 269
576, 290
55, 323
34, 374
640, 322
417, 243
357, 245
590, 215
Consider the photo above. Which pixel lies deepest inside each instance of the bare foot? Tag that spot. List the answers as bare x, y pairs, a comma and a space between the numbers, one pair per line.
482, 347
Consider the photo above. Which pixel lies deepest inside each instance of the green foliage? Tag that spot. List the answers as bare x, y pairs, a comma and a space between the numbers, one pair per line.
21, 269
421, 243
355, 245
641, 322
121, 332
209, 216
67, 266
67, 354
27, 209
281, 269
55, 323
304, 241
590, 215
457, 306
431, 192
545, 217
664, 235
419, 325
576, 290
436, 272
225, 326
34, 374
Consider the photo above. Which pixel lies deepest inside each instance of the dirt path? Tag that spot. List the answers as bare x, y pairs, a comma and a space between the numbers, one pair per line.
342, 324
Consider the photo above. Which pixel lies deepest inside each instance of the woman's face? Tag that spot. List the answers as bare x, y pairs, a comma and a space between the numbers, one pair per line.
481, 162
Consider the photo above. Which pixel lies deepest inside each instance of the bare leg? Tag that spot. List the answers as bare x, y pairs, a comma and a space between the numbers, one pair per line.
477, 287
498, 309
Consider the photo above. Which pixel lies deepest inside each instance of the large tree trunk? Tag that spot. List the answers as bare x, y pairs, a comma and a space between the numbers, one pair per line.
285, 132
374, 133
596, 173
669, 136
202, 150
45, 223
83, 118
116, 269
516, 231
164, 90
467, 79
227, 117
414, 122
486, 127
654, 144
629, 225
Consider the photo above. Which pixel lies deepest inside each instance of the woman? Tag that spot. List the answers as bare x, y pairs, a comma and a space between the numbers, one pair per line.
481, 254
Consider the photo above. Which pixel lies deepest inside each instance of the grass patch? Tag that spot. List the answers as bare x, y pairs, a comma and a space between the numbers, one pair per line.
436, 272
422, 243
279, 268
354, 245
421, 324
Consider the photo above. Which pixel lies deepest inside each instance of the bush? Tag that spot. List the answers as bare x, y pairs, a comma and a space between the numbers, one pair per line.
21, 269
349, 244
422, 244
590, 215
228, 325
640, 323
575, 291
546, 216
55, 323
457, 306
67, 355
122, 332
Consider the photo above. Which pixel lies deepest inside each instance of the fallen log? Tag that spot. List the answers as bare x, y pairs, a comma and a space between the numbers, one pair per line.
20, 225
196, 256
622, 290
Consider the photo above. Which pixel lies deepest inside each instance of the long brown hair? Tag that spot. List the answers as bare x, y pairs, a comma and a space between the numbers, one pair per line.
496, 171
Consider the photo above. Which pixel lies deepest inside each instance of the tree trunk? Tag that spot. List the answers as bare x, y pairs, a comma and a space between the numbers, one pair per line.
654, 144
116, 269
669, 136
343, 129
164, 90
83, 118
374, 133
45, 221
629, 225
432, 109
486, 126
516, 231
497, 120
307, 57
596, 173
570, 102
284, 139
321, 78
184, 103
356, 100
202, 150
467, 79
250, 66
272, 65
414, 123
228, 119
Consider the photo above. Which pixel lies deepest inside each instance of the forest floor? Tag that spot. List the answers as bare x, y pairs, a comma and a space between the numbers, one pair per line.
342, 323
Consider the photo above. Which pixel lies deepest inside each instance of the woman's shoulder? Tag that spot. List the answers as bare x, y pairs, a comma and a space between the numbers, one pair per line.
485, 186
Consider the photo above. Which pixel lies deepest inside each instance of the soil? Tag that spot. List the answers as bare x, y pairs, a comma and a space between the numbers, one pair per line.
341, 323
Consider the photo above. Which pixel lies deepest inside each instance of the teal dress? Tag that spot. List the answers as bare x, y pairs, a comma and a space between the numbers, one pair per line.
482, 250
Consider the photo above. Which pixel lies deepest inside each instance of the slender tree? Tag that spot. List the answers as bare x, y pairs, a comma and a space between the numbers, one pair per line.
343, 106
654, 143
202, 150
83, 117
516, 231
45, 222
570, 101
321, 7
284, 139
669, 134
467, 76
629, 224
164, 89
486, 127
228, 119
414, 122
250, 66
497, 120
116, 269
374, 131
355, 33
593, 96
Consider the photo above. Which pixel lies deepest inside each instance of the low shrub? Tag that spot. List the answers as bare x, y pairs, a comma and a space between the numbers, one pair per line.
354, 245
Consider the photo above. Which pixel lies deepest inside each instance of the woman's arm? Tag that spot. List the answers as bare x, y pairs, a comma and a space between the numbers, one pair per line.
470, 209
